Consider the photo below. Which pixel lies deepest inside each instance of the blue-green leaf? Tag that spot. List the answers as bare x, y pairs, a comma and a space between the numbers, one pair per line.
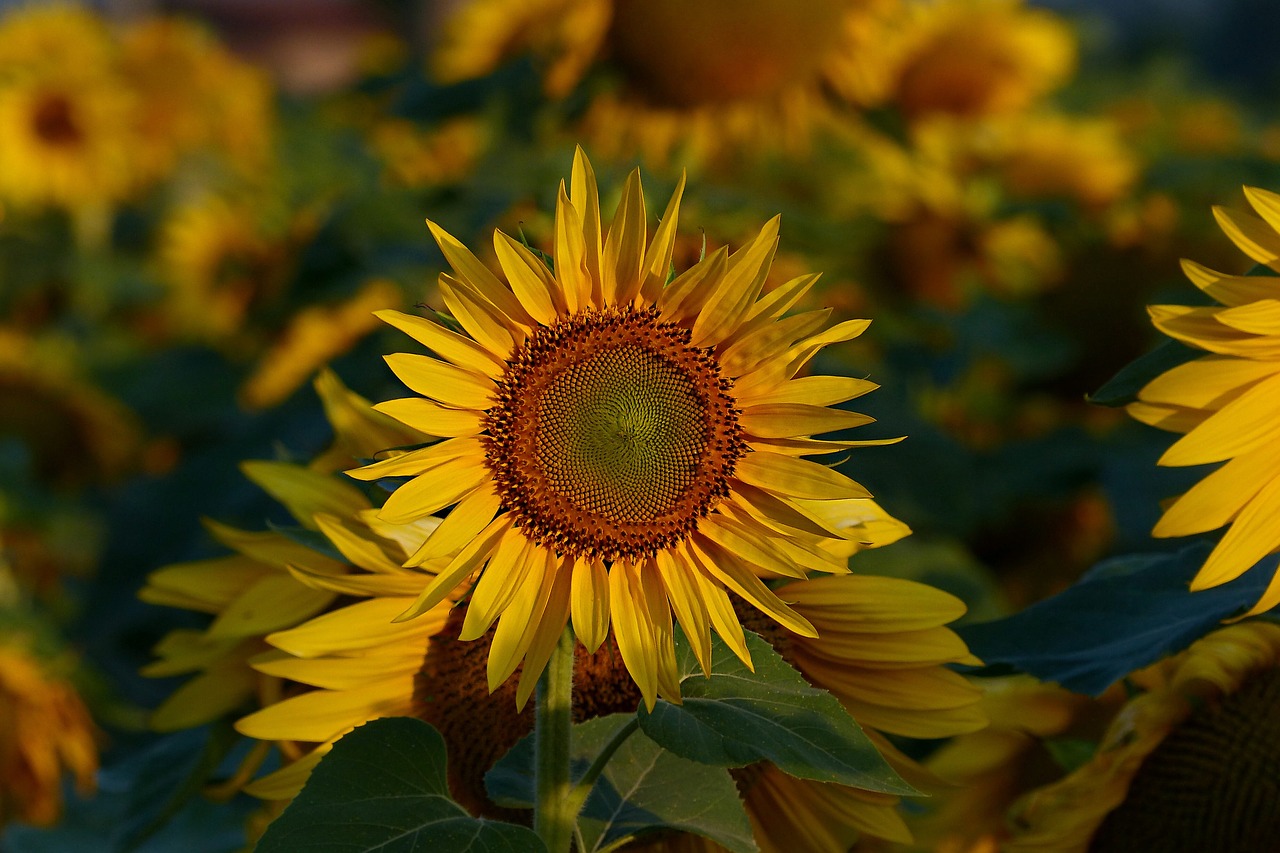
642, 788
1124, 614
737, 717
383, 788
1122, 389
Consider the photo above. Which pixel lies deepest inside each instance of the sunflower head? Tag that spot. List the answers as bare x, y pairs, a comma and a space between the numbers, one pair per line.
622, 443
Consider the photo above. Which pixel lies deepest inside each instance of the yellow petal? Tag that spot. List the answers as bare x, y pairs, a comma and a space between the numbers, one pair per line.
432, 418
787, 420
1230, 289
204, 698
719, 608
463, 523
359, 549
871, 604
341, 673
926, 647
682, 300
275, 602
779, 511
406, 585
531, 281
304, 492
285, 783
511, 560
1256, 318
1253, 535
814, 446
590, 599
1236, 428
547, 629
429, 492
744, 545
1267, 205
270, 547
519, 622
586, 201
771, 341
478, 277
481, 320
463, 352
728, 305
1217, 498
730, 571
811, 390
1254, 237
363, 625
418, 461
570, 255
623, 254
685, 596
211, 584
1166, 417
469, 559
442, 382
1200, 328
321, 715
657, 263
1206, 383
796, 478
632, 630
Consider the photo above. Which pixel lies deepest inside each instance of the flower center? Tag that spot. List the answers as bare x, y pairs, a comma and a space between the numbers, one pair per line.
612, 435
1212, 784
54, 121
715, 51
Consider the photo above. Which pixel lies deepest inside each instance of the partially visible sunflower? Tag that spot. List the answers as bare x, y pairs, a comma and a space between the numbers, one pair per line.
1188, 764
619, 448
1225, 402
57, 36
696, 78
73, 433
46, 733
193, 94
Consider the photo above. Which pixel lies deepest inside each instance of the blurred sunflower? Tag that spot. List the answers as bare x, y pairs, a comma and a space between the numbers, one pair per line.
1188, 764
313, 337
71, 433
45, 733
1225, 402
54, 36
619, 447
690, 77
225, 258
193, 94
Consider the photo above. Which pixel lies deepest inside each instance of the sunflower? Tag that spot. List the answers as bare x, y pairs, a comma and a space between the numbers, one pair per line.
698, 78
1224, 402
619, 447
54, 36
45, 733
1188, 764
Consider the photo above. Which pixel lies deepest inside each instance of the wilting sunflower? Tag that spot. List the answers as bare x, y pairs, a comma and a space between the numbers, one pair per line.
1225, 402
619, 447
1188, 764
695, 77
45, 732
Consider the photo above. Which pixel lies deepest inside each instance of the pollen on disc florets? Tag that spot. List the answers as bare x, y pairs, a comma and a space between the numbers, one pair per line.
611, 435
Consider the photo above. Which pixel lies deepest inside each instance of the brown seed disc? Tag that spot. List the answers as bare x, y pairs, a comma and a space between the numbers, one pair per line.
611, 435
1212, 785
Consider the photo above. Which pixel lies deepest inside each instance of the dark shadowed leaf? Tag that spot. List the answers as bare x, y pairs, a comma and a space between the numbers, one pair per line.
643, 787
383, 788
736, 717
1124, 614
1122, 389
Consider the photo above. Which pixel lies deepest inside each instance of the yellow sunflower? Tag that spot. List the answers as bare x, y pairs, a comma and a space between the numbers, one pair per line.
1225, 403
696, 78
1188, 764
45, 733
55, 36
619, 447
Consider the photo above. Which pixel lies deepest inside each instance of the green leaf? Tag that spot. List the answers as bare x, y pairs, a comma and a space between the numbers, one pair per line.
383, 788
737, 717
643, 787
1122, 389
1070, 753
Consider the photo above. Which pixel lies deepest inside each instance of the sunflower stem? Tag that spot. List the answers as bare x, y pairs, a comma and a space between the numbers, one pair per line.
553, 819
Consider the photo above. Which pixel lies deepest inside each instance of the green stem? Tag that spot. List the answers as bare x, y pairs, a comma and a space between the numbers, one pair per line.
552, 819
578, 796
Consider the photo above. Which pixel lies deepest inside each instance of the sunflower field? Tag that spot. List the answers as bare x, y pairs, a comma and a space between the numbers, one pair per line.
603, 425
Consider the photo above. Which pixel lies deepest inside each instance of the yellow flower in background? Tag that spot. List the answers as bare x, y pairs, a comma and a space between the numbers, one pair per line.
314, 336
694, 78
193, 94
73, 433
56, 36
46, 733
65, 140
420, 158
975, 58
225, 258
1188, 764
1225, 403
1052, 155
618, 446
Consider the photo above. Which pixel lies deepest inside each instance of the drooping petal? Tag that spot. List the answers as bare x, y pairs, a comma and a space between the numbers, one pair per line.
730, 571
470, 558
686, 599
428, 493
1254, 534
518, 624
548, 628
632, 630
502, 576
463, 523
590, 597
